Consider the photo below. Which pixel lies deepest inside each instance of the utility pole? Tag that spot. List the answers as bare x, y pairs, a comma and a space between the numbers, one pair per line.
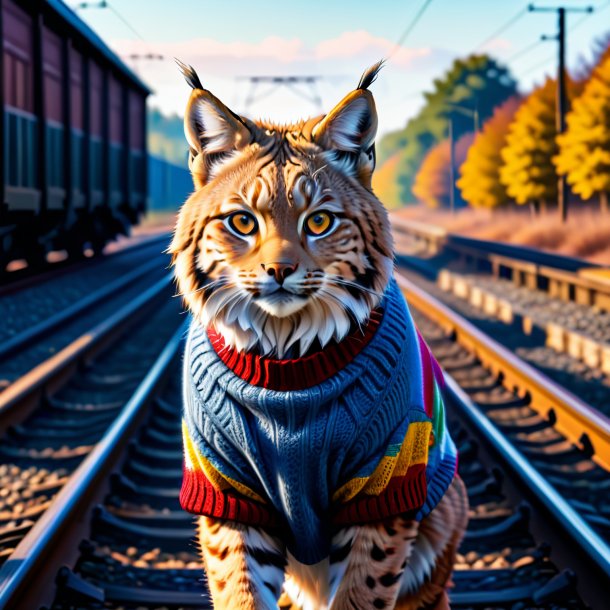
451, 165
562, 98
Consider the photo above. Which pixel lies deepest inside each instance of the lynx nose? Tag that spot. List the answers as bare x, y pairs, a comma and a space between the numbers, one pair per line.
280, 271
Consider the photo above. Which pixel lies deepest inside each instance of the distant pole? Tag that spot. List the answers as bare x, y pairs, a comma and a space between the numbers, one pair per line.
451, 165
562, 99
562, 186
475, 116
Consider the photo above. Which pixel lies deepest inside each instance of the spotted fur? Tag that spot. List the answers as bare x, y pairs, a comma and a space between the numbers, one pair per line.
281, 291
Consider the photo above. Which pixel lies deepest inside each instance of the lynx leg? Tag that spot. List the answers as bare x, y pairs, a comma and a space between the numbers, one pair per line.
429, 570
244, 565
375, 564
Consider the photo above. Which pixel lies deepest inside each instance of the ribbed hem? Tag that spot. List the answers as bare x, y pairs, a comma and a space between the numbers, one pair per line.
200, 497
300, 373
441, 479
402, 495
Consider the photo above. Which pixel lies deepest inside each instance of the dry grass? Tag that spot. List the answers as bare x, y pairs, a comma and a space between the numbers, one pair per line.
586, 234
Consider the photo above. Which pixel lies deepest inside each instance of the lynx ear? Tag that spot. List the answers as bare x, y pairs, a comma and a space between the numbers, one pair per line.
351, 125
214, 132
349, 129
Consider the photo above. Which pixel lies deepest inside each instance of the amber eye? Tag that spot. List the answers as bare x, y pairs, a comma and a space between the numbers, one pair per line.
242, 223
319, 223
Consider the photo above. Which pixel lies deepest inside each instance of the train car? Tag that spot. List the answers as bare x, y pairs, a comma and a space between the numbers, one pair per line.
74, 171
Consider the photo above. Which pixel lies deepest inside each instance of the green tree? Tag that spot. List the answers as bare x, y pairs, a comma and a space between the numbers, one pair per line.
584, 149
477, 83
166, 137
480, 182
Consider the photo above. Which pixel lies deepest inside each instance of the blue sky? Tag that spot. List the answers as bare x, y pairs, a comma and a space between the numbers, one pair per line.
336, 39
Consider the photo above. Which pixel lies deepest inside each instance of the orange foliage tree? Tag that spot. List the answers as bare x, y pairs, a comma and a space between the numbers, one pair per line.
432, 185
479, 183
584, 149
386, 182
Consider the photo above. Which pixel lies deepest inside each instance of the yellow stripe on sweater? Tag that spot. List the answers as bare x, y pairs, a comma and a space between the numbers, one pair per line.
196, 462
414, 450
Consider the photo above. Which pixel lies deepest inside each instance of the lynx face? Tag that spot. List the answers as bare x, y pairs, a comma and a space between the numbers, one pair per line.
283, 242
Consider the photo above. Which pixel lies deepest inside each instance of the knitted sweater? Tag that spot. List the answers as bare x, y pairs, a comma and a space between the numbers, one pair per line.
352, 434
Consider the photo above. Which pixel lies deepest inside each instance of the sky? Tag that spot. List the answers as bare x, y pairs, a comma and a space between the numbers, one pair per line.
335, 39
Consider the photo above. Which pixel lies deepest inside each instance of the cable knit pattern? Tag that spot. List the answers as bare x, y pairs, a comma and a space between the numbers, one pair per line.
366, 443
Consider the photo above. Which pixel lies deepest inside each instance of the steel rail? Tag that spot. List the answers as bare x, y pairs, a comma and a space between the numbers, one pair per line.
35, 549
574, 418
566, 277
25, 338
20, 396
570, 520
443, 237
56, 270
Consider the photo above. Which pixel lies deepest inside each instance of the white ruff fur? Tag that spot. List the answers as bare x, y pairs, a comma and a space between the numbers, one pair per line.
325, 315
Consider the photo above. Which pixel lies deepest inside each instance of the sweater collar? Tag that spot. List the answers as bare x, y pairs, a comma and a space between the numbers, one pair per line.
298, 373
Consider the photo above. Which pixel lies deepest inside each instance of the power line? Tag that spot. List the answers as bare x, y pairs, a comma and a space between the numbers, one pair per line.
550, 57
523, 51
504, 27
538, 65
105, 4
409, 28
126, 22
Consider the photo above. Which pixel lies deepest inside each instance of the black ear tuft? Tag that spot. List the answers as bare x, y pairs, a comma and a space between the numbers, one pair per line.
189, 74
370, 75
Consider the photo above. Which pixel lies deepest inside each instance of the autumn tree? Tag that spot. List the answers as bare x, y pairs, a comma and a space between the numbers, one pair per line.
528, 172
477, 82
432, 185
386, 183
479, 183
584, 148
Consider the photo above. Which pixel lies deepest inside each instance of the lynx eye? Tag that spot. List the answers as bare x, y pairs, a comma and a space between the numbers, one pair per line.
319, 223
242, 223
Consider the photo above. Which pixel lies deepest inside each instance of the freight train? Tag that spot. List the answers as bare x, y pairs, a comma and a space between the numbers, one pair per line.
74, 165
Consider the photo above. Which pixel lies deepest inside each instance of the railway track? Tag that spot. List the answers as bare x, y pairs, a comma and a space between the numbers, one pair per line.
15, 281
115, 537
564, 302
67, 373
90, 469
42, 318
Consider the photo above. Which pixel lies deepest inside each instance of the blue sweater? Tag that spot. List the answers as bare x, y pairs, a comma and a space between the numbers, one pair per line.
368, 443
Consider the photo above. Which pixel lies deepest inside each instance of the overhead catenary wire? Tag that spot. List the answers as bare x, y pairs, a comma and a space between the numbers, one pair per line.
111, 7
523, 51
503, 27
409, 28
570, 29
105, 4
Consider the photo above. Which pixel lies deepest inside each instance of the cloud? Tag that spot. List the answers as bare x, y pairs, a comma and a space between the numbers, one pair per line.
222, 56
362, 43
340, 60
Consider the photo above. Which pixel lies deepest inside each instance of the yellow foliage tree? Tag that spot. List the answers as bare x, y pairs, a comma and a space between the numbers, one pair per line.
528, 172
480, 174
432, 185
584, 149
386, 182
